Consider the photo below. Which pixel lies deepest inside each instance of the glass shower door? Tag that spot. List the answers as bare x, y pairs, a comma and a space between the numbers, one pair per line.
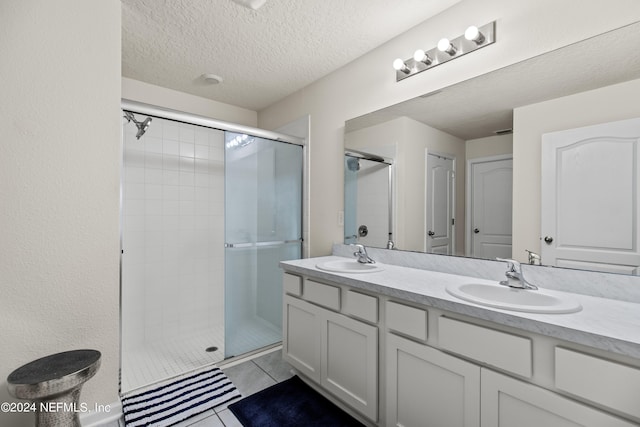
263, 225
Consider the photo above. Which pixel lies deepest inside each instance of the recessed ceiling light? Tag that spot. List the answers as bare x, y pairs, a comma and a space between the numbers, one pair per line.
251, 4
211, 78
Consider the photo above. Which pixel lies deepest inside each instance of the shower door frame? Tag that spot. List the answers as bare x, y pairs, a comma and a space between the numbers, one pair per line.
194, 119
357, 154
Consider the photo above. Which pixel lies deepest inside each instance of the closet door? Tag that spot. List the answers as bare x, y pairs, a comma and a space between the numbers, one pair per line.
590, 213
490, 208
440, 205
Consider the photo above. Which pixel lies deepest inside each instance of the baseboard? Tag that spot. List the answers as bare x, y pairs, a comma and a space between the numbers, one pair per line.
107, 414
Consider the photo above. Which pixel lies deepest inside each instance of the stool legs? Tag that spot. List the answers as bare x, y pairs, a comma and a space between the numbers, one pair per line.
59, 411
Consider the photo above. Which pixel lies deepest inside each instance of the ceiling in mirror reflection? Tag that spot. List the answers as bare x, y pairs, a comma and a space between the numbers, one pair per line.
481, 106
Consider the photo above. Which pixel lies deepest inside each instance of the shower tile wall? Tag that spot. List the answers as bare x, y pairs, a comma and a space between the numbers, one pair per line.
172, 235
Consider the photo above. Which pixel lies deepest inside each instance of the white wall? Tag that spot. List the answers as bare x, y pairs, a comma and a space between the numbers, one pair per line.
59, 187
607, 104
135, 90
489, 146
525, 29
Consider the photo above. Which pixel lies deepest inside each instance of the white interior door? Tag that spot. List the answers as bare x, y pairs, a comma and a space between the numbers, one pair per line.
439, 205
589, 215
490, 208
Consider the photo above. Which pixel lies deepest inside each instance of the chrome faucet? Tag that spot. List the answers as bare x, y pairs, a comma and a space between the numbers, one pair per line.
515, 277
361, 254
390, 243
534, 258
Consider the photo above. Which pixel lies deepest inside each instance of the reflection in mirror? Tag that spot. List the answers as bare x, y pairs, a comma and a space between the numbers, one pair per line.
492, 128
368, 183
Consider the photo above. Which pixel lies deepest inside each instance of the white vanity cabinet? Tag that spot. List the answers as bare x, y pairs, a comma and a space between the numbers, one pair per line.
426, 387
398, 362
301, 340
429, 386
337, 351
512, 403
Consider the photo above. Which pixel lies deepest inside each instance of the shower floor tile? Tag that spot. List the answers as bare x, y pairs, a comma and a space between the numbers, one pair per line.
150, 363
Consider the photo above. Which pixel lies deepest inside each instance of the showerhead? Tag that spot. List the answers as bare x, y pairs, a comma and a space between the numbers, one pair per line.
353, 164
142, 126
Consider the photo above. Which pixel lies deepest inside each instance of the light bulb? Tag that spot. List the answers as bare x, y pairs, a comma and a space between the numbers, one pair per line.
444, 45
420, 56
399, 65
473, 34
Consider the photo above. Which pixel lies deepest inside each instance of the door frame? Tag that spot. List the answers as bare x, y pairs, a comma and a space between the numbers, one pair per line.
425, 224
469, 196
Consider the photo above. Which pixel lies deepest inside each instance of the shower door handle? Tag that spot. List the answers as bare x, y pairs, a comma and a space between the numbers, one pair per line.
260, 244
278, 242
239, 245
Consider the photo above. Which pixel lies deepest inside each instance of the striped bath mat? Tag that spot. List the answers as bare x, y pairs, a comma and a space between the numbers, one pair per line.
174, 400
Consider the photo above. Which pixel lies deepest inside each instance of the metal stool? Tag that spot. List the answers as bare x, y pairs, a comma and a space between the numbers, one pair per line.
53, 383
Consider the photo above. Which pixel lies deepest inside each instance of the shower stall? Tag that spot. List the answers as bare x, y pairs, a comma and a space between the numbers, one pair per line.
368, 199
208, 210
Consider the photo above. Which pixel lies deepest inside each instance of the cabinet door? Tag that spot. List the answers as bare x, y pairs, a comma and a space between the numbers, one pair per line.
426, 387
507, 402
301, 338
350, 362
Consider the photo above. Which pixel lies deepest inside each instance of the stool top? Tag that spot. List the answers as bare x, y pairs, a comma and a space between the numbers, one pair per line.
55, 372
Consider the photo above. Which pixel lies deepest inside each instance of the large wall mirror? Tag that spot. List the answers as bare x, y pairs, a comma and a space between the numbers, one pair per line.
483, 168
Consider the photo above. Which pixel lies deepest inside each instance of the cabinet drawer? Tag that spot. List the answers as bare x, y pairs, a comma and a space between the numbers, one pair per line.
321, 294
407, 320
362, 306
500, 349
292, 284
608, 383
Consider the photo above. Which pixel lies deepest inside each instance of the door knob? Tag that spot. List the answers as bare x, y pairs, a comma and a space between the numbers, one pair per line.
431, 233
475, 230
548, 240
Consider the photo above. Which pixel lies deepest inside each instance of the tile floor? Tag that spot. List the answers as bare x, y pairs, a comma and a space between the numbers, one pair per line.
249, 377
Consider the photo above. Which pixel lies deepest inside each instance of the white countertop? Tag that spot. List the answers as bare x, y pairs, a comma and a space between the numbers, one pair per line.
605, 324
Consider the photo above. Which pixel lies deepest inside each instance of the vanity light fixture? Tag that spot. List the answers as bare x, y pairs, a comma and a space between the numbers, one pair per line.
444, 45
473, 34
474, 38
401, 66
421, 56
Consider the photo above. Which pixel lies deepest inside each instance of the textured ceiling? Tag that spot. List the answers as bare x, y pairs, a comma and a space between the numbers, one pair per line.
481, 106
264, 55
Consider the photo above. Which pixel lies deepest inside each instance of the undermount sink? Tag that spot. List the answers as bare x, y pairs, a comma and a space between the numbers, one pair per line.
506, 298
348, 266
